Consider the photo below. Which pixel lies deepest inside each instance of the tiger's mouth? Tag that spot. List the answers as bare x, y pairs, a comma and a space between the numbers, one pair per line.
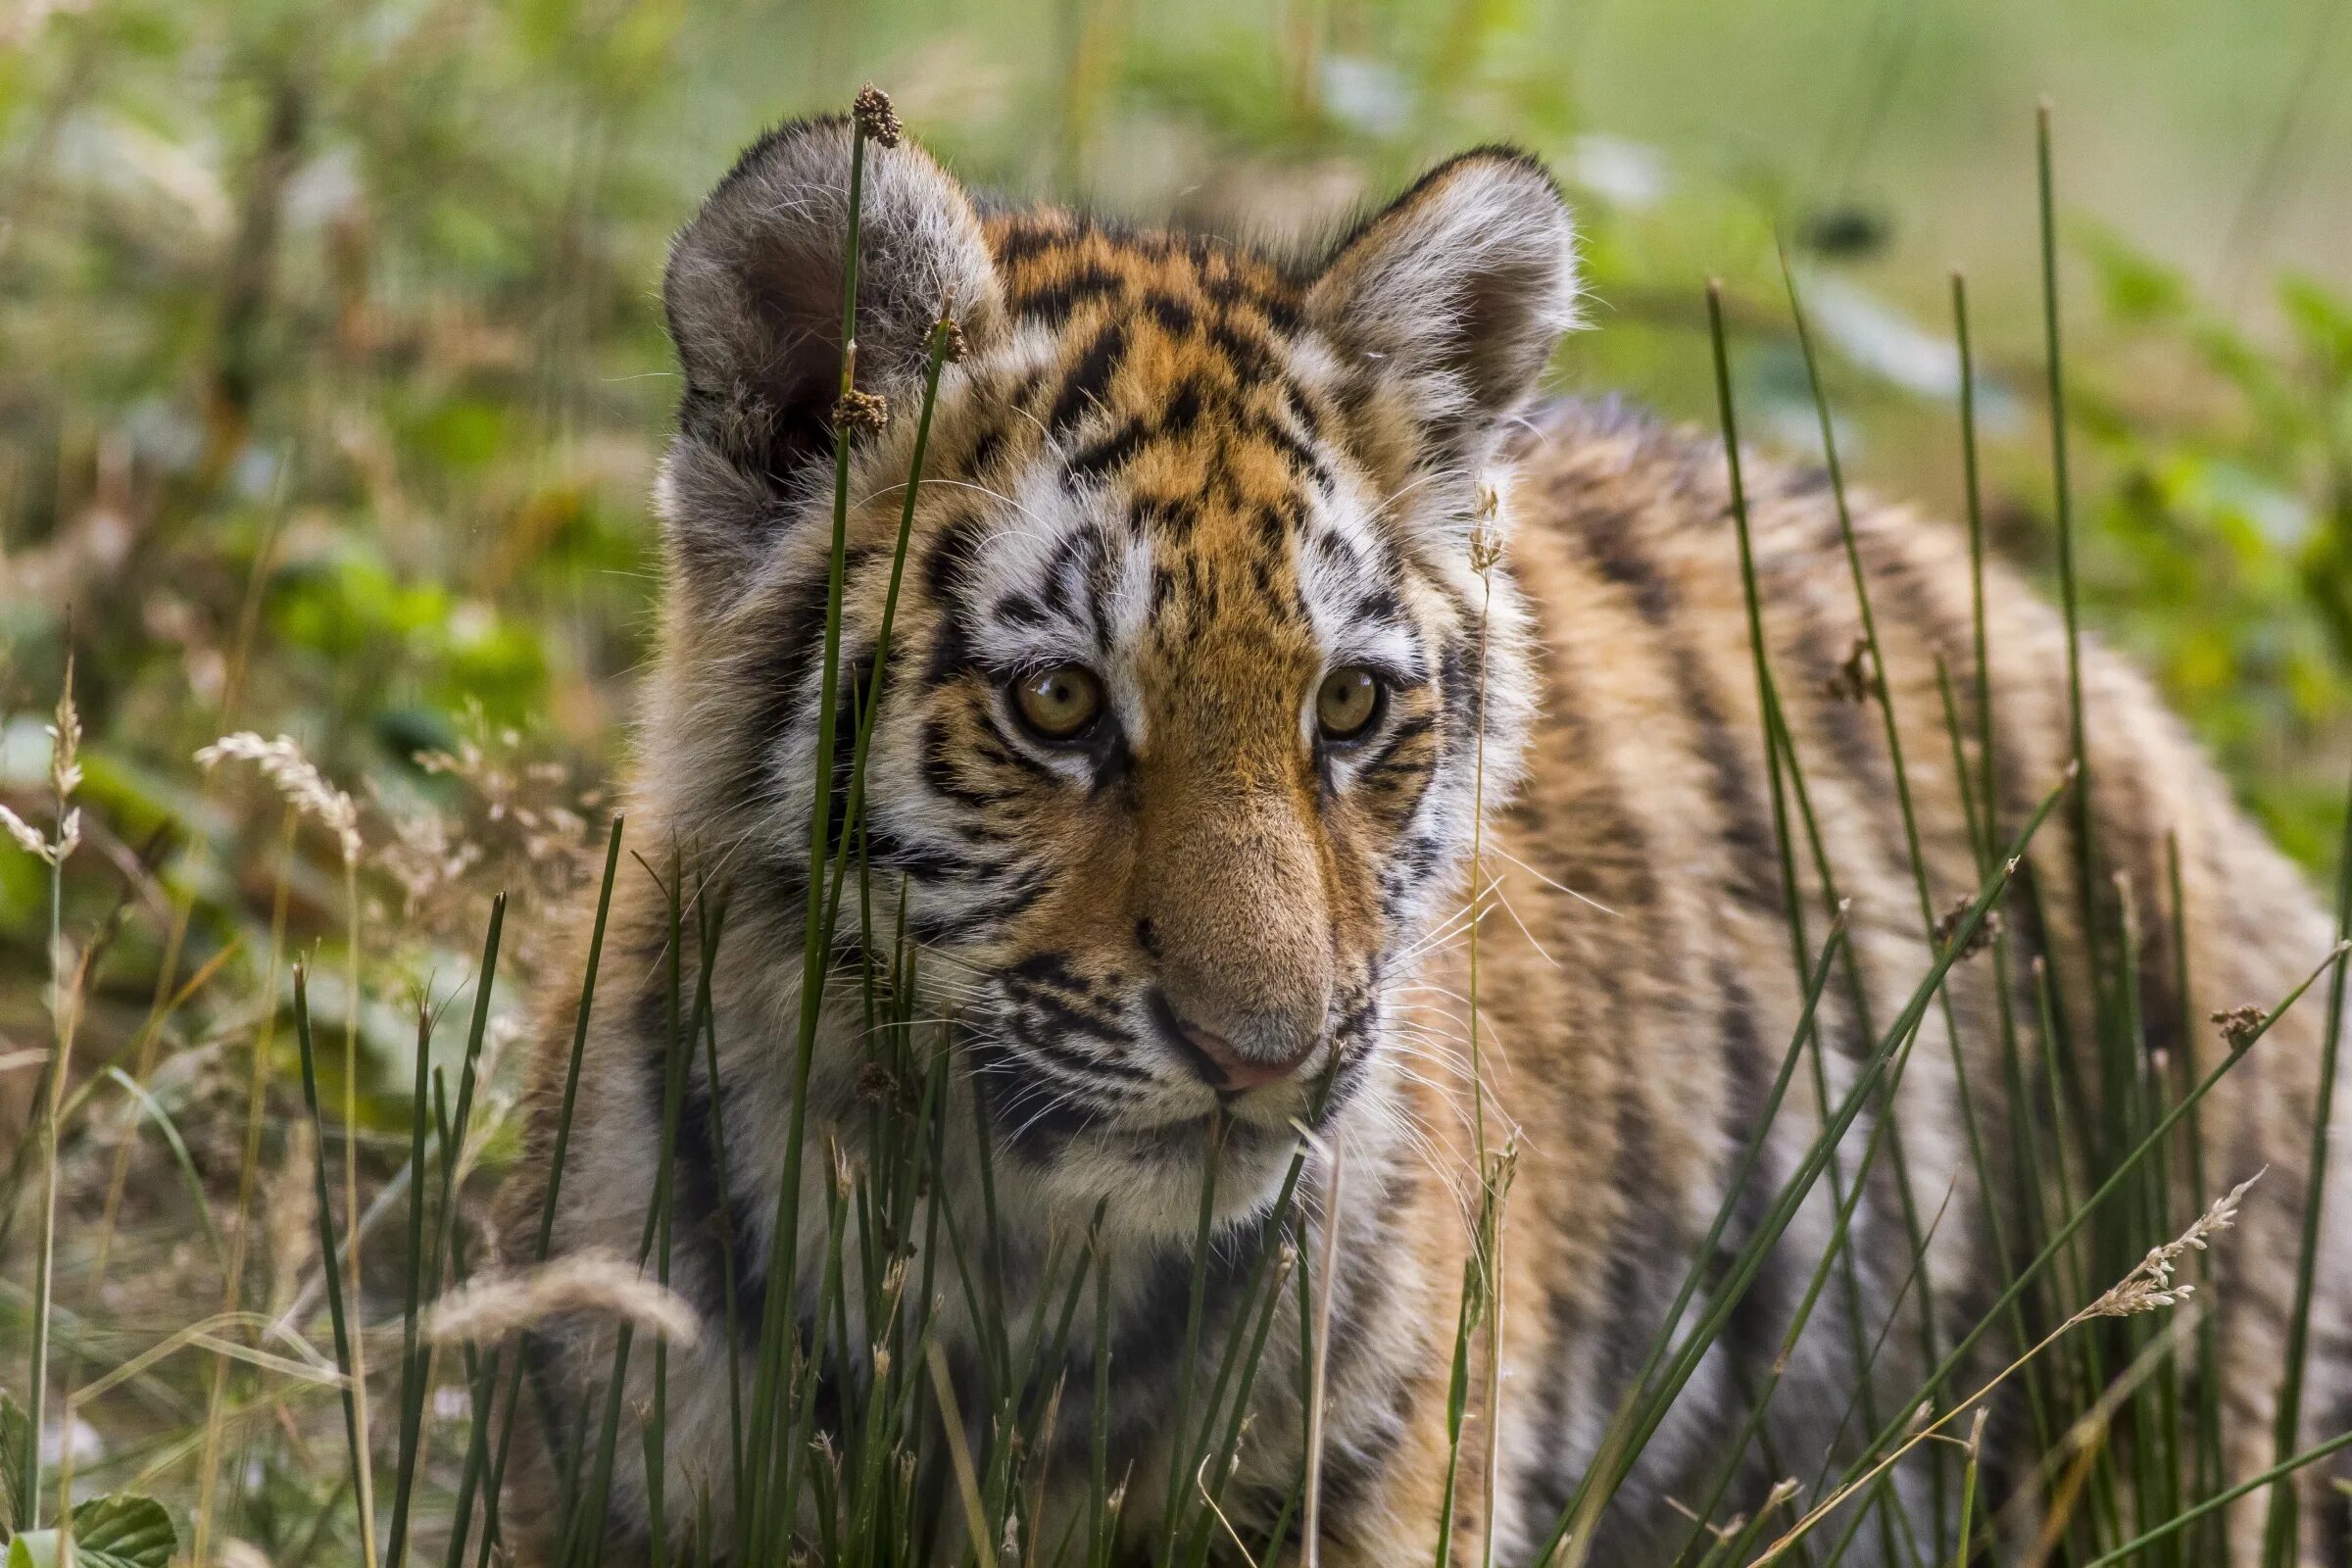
1048, 1095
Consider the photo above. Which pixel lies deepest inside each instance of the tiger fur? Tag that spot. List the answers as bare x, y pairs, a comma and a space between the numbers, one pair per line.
1209, 476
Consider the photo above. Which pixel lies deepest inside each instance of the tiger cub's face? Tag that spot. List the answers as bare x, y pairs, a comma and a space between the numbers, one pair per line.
1199, 663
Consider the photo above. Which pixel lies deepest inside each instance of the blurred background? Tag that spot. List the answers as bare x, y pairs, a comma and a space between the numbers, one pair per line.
331, 383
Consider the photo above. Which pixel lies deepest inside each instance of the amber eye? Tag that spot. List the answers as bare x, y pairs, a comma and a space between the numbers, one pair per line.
1058, 703
1348, 703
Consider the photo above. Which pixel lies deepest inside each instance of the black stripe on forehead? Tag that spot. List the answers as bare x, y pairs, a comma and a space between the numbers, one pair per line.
1382, 567
1179, 414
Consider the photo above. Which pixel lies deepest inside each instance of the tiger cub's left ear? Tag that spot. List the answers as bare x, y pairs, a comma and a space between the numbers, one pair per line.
1458, 292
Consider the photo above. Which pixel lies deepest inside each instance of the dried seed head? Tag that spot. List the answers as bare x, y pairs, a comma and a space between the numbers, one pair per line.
1949, 926
2240, 1025
65, 777
844, 1169
868, 412
1858, 678
65, 740
874, 1084
304, 788
952, 344
29, 838
1486, 531
877, 122
2151, 1285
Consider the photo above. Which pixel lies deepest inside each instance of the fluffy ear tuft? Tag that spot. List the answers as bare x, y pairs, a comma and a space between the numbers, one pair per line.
1462, 287
754, 290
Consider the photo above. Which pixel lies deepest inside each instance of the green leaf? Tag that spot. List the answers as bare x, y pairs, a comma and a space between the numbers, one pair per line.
108, 1533
2135, 285
16, 1442
123, 1532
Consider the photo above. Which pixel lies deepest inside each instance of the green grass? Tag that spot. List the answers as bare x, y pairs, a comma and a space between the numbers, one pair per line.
896, 1479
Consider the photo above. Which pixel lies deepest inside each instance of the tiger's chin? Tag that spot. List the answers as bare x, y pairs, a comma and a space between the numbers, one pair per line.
1149, 1182
1148, 1175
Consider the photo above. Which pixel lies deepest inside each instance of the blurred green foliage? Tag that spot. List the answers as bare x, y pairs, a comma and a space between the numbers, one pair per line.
331, 375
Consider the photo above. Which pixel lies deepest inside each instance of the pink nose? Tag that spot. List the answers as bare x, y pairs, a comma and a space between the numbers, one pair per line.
1241, 1072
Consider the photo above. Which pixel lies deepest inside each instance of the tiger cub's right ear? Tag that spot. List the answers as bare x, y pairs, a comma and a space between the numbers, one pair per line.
752, 292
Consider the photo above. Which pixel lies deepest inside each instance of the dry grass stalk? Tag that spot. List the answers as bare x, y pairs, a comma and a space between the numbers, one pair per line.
960, 1455
1326, 1265
308, 792
593, 1281
290, 1218
232, 1279
1501, 1168
64, 1008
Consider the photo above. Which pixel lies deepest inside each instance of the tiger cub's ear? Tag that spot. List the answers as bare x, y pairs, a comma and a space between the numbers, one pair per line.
752, 292
1458, 292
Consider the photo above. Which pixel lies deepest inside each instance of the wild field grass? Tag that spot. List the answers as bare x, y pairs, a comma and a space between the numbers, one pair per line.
254, 1327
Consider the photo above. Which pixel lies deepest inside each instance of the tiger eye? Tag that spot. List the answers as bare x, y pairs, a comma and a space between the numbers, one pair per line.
1348, 703
1058, 703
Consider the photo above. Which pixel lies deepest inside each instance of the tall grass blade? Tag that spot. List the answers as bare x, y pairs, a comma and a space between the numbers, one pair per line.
2279, 1527
772, 1517
329, 1256
2212, 1505
411, 1359
496, 1457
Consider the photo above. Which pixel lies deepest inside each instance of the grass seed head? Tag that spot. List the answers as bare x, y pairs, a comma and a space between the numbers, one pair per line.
295, 777
65, 777
65, 740
1948, 925
2240, 1025
1857, 679
877, 122
952, 346
866, 412
2152, 1285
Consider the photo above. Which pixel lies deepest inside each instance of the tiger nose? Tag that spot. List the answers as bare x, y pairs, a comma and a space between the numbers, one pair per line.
1218, 1061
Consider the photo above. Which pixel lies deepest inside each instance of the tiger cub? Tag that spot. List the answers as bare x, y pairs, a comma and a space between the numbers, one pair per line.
1249, 601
